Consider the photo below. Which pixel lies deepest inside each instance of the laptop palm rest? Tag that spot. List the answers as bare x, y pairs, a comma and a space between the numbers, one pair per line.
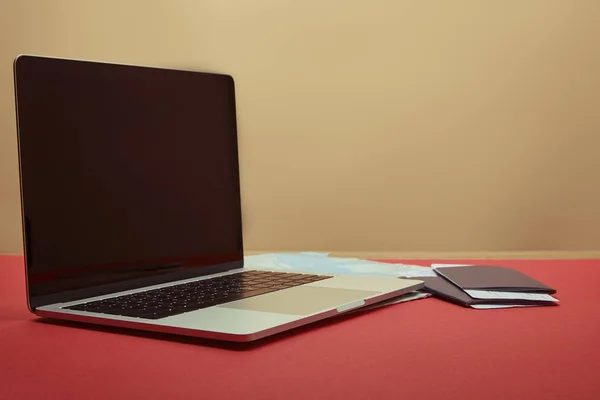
301, 300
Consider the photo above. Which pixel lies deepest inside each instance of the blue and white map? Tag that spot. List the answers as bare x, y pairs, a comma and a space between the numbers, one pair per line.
321, 263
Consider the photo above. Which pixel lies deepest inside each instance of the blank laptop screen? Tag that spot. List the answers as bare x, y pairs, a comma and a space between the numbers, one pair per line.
127, 172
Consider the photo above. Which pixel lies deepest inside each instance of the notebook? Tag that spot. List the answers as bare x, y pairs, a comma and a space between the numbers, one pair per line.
131, 207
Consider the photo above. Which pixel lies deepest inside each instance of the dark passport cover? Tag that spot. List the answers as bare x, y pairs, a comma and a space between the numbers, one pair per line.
493, 278
442, 289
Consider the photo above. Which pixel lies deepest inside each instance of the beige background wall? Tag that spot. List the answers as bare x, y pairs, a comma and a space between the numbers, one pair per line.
402, 126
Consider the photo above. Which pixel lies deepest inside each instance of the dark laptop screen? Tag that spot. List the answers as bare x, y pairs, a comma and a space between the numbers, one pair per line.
127, 172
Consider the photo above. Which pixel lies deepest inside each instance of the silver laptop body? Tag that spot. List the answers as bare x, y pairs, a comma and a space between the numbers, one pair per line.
131, 207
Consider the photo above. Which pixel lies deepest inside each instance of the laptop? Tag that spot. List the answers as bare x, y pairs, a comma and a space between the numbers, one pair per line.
131, 207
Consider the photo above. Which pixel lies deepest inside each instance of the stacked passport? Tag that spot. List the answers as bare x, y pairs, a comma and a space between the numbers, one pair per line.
485, 286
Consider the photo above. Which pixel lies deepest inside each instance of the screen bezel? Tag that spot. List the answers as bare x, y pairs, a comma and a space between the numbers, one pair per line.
34, 302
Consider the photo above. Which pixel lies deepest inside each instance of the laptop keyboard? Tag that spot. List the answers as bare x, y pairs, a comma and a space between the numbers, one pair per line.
182, 298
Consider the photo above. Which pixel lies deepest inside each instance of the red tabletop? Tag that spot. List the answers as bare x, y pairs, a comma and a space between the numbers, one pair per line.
426, 349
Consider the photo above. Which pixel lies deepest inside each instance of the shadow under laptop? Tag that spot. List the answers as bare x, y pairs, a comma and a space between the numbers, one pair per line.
225, 345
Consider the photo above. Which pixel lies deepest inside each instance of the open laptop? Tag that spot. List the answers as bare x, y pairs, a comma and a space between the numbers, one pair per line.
131, 207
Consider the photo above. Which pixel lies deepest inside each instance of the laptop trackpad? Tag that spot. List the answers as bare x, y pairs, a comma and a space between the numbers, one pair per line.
301, 300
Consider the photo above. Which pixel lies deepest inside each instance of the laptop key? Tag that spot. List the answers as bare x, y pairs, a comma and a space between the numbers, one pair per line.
280, 287
252, 293
150, 315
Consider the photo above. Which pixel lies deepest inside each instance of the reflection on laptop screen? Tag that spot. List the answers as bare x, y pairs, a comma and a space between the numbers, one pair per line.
126, 172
